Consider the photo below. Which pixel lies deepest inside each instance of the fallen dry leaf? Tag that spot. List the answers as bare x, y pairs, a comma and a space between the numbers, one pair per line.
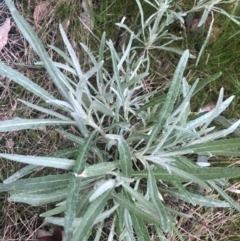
4, 30
9, 143
208, 107
56, 236
195, 22
41, 11
85, 15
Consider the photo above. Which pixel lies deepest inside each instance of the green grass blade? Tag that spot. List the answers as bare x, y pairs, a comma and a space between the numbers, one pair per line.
126, 52
142, 18
179, 235
101, 47
136, 137
228, 153
90, 54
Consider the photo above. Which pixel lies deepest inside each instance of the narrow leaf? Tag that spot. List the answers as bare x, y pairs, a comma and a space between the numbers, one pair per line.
46, 111
41, 161
103, 187
21, 173
25, 82
54, 211
201, 200
83, 230
185, 193
39, 199
37, 45
17, 124
152, 218
71, 52
140, 228
209, 148
137, 222
207, 173
171, 98
124, 154
71, 203
44, 183
225, 195
205, 82
159, 206
99, 169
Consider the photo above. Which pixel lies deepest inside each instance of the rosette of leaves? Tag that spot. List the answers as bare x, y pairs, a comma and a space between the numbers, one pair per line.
135, 150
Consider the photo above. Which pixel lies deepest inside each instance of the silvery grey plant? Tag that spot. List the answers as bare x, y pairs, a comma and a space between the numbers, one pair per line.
134, 148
